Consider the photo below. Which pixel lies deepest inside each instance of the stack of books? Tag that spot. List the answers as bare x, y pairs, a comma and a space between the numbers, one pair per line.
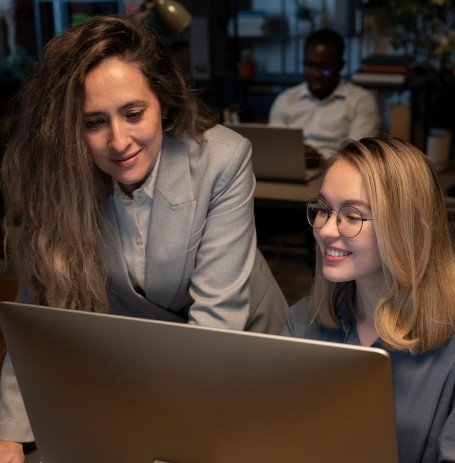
383, 69
250, 23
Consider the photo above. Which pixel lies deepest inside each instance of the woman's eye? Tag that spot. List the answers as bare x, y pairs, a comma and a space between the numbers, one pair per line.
134, 115
353, 217
93, 124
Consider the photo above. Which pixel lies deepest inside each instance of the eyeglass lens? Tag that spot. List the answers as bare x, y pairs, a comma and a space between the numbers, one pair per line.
349, 219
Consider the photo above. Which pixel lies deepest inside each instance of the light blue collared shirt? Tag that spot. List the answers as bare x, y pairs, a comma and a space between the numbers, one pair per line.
133, 220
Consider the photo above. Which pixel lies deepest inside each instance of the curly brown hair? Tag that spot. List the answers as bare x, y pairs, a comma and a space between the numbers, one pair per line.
50, 182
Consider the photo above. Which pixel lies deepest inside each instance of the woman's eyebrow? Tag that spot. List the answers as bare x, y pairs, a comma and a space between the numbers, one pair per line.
134, 103
124, 107
93, 113
348, 202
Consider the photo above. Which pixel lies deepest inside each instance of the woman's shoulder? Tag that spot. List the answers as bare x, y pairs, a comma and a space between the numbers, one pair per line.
299, 319
302, 323
222, 134
302, 311
448, 350
221, 149
211, 165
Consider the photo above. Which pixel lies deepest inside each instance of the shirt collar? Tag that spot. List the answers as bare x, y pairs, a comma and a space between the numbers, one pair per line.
346, 317
340, 92
345, 314
148, 187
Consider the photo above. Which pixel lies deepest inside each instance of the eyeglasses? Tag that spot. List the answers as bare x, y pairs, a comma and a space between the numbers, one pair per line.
325, 72
349, 218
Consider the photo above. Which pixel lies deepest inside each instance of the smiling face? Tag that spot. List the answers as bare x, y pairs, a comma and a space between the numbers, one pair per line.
347, 259
122, 122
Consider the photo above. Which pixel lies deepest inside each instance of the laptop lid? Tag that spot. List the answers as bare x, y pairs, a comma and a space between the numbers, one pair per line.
104, 388
278, 152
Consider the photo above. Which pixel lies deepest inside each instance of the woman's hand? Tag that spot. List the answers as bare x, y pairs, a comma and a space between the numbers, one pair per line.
11, 452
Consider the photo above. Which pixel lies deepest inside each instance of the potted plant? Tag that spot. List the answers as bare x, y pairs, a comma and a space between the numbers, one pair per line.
425, 30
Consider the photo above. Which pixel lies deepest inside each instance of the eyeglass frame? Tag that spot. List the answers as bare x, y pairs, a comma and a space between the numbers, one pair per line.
330, 211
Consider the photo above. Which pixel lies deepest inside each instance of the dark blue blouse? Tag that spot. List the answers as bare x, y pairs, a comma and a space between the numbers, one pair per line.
424, 386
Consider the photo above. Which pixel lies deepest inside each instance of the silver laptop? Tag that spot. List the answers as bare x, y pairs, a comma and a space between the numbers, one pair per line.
278, 152
104, 389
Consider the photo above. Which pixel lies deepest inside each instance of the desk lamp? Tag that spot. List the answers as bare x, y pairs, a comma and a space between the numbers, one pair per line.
172, 14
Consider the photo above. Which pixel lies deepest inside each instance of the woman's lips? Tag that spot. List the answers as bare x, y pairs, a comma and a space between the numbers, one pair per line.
126, 161
334, 254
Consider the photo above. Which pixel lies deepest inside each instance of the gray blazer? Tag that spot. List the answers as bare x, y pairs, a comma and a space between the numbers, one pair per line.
202, 262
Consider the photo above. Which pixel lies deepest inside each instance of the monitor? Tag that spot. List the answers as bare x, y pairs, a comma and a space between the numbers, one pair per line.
104, 388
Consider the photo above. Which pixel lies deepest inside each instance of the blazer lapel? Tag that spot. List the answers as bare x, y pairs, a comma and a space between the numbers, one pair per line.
170, 224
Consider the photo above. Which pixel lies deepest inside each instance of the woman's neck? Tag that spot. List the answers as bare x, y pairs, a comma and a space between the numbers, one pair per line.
366, 299
365, 304
367, 294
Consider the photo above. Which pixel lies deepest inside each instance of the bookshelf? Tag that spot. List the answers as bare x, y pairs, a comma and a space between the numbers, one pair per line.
277, 48
61, 16
419, 88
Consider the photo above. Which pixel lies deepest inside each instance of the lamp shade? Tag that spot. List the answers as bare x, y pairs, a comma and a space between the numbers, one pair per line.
173, 15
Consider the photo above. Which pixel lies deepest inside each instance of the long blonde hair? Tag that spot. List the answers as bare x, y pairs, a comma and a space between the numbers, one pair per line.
416, 311
51, 185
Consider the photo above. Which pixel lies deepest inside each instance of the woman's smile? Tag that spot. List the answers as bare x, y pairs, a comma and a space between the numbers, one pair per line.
127, 161
334, 254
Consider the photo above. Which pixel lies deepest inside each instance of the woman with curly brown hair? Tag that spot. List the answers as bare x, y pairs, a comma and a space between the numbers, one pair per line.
131, 200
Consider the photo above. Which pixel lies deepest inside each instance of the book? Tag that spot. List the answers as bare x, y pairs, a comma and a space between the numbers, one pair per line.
393, 68
388, 60
250, 23
383, 69
361, 77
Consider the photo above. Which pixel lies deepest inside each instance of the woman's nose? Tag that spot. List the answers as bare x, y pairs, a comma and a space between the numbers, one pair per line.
120, 137
330, 229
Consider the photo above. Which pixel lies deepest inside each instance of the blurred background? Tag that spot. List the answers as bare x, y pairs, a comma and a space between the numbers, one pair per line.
241, 54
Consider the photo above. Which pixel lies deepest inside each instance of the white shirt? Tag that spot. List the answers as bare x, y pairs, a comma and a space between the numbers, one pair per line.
133, 220
348, 112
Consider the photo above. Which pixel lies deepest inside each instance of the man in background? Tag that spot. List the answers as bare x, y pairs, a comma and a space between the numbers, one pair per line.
327, 108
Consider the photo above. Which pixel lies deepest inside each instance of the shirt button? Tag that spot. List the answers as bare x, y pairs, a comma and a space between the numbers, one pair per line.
140, 198
138, 241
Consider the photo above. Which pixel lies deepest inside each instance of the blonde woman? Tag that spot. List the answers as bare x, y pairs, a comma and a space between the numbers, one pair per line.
385, 277
130, 198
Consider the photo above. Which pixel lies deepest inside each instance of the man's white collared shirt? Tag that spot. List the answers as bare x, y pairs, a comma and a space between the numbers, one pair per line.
349, 112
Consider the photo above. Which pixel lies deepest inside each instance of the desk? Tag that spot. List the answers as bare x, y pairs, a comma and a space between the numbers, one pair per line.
446, 174
282, 229
293, 195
